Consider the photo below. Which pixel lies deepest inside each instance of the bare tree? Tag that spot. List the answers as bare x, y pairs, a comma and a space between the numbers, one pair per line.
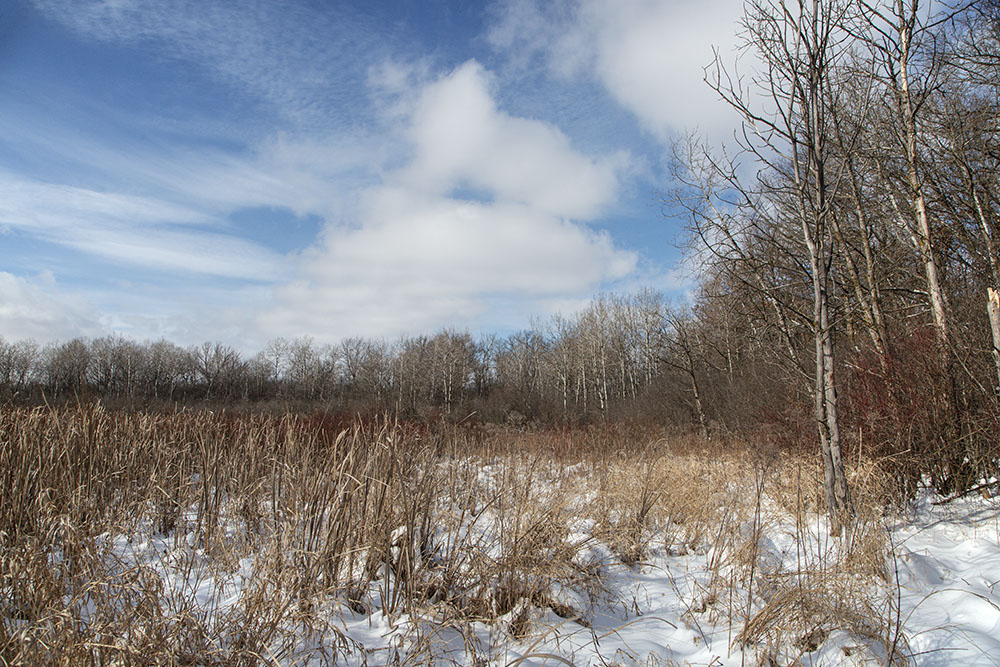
65, 366
683, 352
17, 363
116, 364
906, 55
787, 133
167, 368
219, 367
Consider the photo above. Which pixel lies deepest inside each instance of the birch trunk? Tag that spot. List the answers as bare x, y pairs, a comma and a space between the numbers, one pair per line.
993, 308
923, 238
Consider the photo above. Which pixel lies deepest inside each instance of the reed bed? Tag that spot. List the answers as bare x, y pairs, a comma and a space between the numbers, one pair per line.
224, 539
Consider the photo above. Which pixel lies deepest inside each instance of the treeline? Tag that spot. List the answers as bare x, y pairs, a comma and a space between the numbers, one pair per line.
614, 359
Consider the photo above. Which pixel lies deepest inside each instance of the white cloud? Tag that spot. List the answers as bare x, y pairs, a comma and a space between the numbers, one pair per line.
441, 207
420, 256
37, 308
461, 138
168, 250
306, 171
422, 260
35, 205
140, 231
648, 54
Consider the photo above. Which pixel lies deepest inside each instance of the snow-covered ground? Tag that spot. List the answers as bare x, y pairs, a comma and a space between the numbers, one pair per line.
201, 539
948, 572
942, 606
788, 593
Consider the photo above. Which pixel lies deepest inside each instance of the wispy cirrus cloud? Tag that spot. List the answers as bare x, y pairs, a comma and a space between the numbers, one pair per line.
292, 55
308, 172
146, 232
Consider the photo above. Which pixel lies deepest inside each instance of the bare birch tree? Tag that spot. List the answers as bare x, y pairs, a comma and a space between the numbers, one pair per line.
787, 134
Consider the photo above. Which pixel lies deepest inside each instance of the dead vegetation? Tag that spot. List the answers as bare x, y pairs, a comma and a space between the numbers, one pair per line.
200, 538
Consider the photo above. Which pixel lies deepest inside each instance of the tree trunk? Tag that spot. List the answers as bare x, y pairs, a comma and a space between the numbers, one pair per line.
993, 308
826, 407
923, 238
840, 507
698, 407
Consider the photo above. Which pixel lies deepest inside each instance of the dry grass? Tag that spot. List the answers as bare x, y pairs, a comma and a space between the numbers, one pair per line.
273, 528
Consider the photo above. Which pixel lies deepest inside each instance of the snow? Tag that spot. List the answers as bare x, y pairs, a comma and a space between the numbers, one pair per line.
948, 571
934, 601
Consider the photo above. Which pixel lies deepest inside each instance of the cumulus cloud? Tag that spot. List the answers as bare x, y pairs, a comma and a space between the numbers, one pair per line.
461, 138
648, 54
421, 260
37, 308
441, 206
421, 255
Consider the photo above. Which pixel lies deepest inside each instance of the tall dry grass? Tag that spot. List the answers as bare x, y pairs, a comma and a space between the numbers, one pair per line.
201, 538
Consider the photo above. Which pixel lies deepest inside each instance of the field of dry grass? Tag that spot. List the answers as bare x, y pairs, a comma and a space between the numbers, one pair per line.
200, 538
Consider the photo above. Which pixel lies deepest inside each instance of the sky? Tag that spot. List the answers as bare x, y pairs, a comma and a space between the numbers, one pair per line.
242, 171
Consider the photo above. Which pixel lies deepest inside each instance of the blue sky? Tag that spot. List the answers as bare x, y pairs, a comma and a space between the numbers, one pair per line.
240, 171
